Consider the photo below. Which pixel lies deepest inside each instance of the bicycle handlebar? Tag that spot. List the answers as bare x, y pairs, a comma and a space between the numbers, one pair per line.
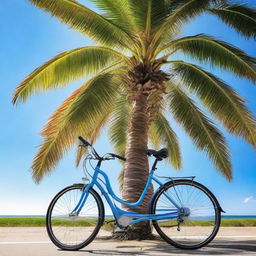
86, 144
117, 156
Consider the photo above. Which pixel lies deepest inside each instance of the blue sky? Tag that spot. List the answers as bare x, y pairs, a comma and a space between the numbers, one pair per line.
29, 37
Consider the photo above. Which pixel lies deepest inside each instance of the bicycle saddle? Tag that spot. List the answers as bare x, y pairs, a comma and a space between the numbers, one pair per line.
160, 154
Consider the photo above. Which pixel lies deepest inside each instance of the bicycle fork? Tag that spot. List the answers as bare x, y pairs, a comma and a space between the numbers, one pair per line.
81, 201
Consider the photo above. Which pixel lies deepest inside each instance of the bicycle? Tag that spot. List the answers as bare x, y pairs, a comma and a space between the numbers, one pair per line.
183, 212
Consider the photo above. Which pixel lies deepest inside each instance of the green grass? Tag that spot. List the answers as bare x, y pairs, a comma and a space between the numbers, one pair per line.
40, 222
224, 223
22, 222
239, 223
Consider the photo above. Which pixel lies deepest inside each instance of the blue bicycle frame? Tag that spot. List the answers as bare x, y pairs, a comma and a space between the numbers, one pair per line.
117, 212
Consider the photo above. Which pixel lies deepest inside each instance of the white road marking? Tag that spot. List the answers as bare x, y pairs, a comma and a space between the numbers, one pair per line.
26, 242
203, 237
235, 236
49, 242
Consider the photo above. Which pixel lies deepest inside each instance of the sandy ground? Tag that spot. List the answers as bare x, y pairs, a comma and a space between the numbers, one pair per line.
34, 241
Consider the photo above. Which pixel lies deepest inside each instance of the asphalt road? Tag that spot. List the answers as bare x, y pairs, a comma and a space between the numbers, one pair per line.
34, 242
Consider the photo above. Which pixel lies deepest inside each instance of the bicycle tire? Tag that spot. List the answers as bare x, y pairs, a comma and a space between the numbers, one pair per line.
161, 229
49, 219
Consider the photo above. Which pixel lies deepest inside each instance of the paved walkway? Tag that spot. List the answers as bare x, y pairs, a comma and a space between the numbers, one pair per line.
35, 242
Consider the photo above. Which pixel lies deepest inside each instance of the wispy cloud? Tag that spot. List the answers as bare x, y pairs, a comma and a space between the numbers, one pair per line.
249, 199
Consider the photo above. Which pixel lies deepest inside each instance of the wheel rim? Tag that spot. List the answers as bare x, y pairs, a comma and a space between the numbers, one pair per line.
73, 231
199, 226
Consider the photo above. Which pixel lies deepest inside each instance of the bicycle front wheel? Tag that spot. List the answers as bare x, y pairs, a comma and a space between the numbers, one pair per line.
200, 220
74, 232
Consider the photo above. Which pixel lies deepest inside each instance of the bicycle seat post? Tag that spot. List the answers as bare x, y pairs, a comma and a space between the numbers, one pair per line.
155, 163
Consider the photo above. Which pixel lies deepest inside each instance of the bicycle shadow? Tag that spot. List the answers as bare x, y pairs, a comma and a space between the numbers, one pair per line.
217, 247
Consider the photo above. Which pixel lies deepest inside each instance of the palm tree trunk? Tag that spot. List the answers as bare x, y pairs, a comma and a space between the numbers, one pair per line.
137, 167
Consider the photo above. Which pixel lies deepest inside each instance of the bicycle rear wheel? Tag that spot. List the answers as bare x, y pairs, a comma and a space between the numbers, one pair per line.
201, 222
74, 232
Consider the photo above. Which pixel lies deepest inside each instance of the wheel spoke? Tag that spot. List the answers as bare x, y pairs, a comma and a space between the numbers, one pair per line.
196, 229
74, 232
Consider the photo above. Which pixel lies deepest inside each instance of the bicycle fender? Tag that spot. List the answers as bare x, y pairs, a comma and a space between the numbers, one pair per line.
80, 184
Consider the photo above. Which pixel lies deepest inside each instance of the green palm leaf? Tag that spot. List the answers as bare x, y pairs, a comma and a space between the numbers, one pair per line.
183, 11
160, 132
92, 136
79, 114
117, 11
119, 124
219, 53
149, 13
118, 129
145, 30
220, 98
86, 21
80, 152
202, 131
66, 67
240, 17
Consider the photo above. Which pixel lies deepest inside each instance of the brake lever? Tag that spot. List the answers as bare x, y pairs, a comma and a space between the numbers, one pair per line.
110, 157
117, 156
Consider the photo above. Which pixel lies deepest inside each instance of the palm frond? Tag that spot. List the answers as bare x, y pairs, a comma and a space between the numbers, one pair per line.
119, 124
219, 98
160, 132
80, 152
201, 130
238, 16
219, 53
93, 135
183, 11
79, 114
148, 18
151, 12
118, 12
66, 67
120, 179
88, 22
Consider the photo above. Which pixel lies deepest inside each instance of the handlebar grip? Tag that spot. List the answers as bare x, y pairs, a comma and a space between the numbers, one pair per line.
85, 142
119, 157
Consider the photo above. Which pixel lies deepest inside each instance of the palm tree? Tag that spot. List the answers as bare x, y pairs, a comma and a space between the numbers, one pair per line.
136, 83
